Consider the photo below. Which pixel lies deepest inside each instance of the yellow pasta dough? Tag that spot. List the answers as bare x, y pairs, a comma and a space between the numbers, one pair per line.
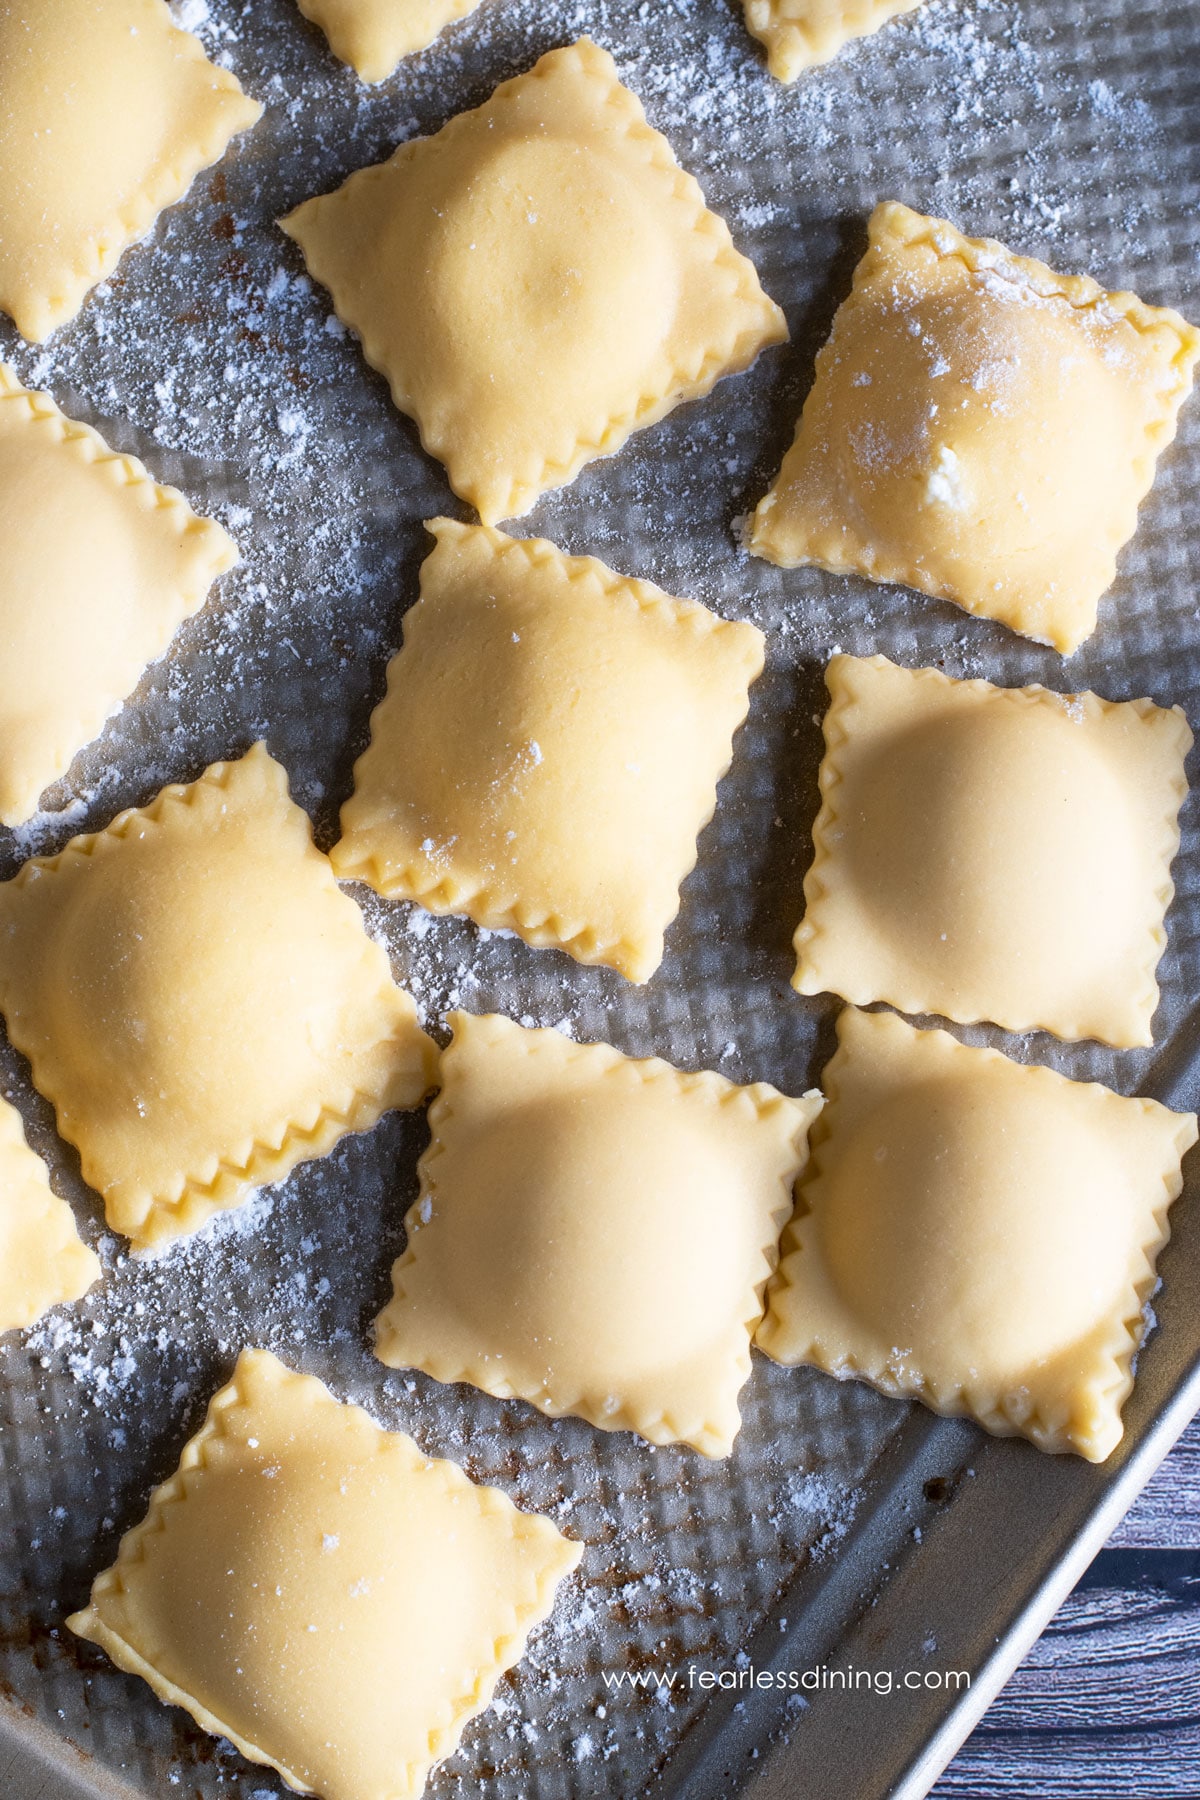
317, 1591
798, 34
548, 749
977, 1233
537, 281
372, 35
980, 428
116, 562
594, 1233
43, 1260
993, 853
109, 112
200, 1001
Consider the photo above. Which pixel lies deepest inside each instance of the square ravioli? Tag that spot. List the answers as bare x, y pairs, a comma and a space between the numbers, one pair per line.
200, 1001
979, 428
537, 281
548, 749
977, 1233
372, 35
109, 112
322, 1594
43, 1260
594, 1233
799, 34
117, 563
992, 853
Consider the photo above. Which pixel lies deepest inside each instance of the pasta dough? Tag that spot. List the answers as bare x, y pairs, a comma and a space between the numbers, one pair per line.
977, 1233
549, 747
798, 34
993, 853
372, 35
43, 1260
317, 1591
200, 1001
537, 281
109, 112
117, 563
594, 1233
980, 428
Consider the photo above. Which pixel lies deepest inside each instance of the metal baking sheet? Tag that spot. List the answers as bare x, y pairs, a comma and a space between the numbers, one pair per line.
847, 1530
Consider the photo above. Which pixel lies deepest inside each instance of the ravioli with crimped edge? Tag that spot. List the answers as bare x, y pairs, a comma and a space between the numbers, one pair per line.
537, 281
373, 35
200, 1001
548, 749
109, 112
980, 428
116, 561
993, 853
321, 1593
594, 1232
978, 1234
800, 34
43, 1259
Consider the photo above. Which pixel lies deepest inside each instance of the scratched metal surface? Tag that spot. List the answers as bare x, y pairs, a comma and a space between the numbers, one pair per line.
1070, 131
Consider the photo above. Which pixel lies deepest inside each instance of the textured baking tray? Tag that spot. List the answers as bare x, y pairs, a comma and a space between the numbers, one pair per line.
846, 1529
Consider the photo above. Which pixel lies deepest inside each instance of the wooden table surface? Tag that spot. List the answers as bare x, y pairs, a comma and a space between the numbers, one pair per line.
1106, 1706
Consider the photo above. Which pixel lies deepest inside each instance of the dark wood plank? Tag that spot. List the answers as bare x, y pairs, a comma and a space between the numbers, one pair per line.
1107, 1704
1167, 1512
